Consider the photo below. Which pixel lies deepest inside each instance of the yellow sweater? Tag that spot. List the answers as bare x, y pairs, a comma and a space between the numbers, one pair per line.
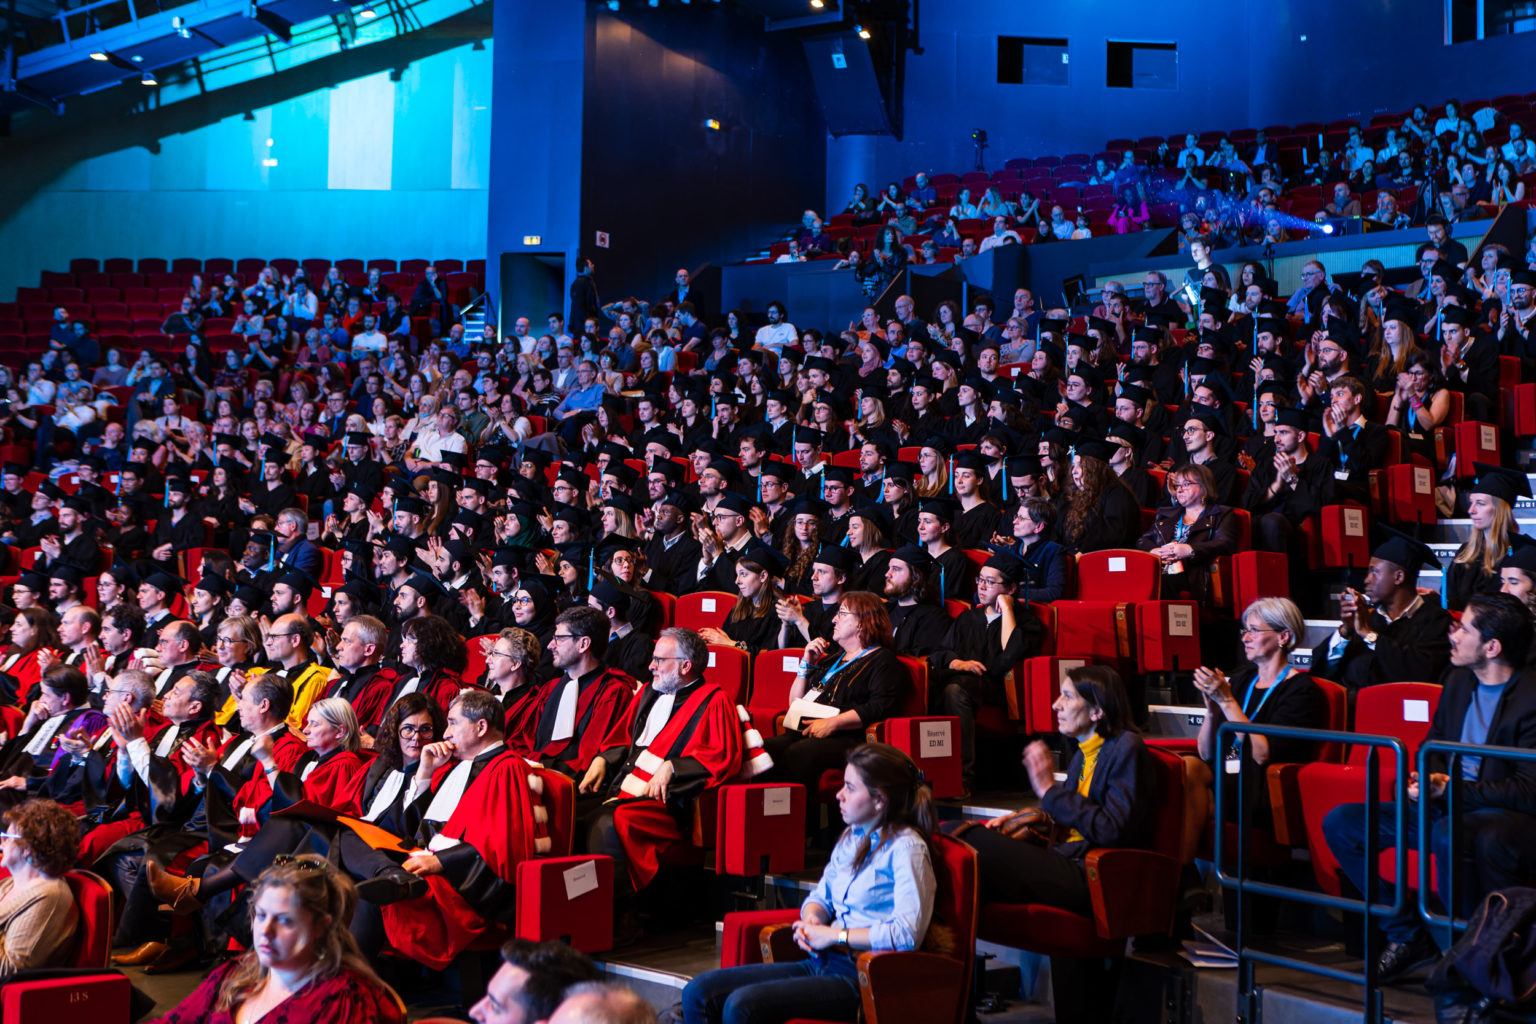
1090, 749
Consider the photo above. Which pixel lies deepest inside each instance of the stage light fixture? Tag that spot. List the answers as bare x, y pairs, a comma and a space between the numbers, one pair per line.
99, 55
817, 5
180, 25
713, 124
1327, 229
613, 5
367, 12
148, 78
862, 31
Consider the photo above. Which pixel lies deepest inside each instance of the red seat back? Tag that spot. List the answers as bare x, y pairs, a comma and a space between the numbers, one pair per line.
730, 669
915, 701
1039, 684
93, 900
1402, 710
707, 608
773, 673
474, 668
760, 826
1168, 820
559, 799
1338, 718
668, 605
1118, 574
1167, 636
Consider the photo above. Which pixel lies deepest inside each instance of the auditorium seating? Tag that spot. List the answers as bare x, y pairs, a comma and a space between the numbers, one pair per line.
77, 996
929, 984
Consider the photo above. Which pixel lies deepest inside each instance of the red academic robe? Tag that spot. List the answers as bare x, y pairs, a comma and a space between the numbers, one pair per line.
26, 674
602, 706
496, 817
344, 998
442, 685
703, 729
256, 791
522, 722
337, 783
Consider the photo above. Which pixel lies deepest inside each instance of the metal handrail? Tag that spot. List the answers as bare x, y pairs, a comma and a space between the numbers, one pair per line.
1248, 959
1455, 751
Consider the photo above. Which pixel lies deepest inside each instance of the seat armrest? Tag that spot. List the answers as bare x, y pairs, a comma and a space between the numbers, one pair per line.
1285, 804
1134, 892
910, 986
777, 943
739, 942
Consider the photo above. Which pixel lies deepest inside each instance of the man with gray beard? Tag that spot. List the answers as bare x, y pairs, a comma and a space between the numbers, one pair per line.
679, 736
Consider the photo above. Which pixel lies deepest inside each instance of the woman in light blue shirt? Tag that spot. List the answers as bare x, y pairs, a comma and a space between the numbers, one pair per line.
876, 893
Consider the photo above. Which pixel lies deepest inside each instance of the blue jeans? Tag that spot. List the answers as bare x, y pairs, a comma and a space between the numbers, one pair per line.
1495, 851
825, 987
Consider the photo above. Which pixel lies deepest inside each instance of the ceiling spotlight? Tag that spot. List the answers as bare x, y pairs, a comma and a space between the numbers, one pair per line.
613, 5
99, 55
367, 12
817, 5
148, 78
137, 58
862, 31
713, 124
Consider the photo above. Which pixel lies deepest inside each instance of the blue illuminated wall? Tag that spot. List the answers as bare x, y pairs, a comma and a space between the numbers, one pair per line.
393, 162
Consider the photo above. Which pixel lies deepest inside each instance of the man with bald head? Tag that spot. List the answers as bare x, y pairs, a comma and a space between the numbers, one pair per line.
290, 654
176, 651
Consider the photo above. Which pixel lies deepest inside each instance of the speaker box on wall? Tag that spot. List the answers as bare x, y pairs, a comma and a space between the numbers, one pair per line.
847, 85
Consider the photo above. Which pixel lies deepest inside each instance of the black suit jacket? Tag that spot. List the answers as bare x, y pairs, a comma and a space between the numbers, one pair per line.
1356, 454
1501, 783
1120, 796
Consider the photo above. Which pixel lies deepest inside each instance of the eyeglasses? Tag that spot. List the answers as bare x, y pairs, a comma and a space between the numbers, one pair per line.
522, 599
10, 835
501, 654
661, 657
1246, 630
417, 730
562, 637
278, 636
228, 641
991, 581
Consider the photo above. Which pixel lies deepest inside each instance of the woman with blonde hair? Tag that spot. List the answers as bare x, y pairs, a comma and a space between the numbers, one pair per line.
932, 467
304, 966
1495, 534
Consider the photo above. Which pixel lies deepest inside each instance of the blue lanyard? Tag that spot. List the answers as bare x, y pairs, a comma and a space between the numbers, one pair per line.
837, 665
1354, 435
1237, 741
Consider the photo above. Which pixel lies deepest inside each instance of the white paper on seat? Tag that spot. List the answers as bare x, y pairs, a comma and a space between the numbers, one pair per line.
776, 802
1117, 564
1415, 710
580, 879
802, 708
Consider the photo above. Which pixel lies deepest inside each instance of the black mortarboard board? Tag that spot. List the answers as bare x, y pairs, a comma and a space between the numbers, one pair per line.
1151, 335
165, 582
411, 504
837, 474
610, 596
572, 514
734, 502
399, 545
914, 556
1060, 436
1131, 435
1008, 565
783, 397
1050, 325
299, 582
538, 456
1214, 302
1135, 393
78, 504
680, 500
837, 403
1095, 448
250, 596
1499, 482
64, 571
511, 558
972, 460
1294, 418
807, 435
1460, 316
1522, 558
1054, 352
821, 363
1200, 366
458, 460
1447, 270
1088, 373
878, 515
770, 558
844, 560
1023, 465
669, 470
945, 508
925, 380
1520, 275
1217, 383
468, 519
232, 440
948, 358
663, 437
938, 442
484, 488
622, 473
576, 478
425, 585
218, 586
623, 502
1212, 420
142, 444
807, 505
52, 490
1106, 328
33, 581
1403, 551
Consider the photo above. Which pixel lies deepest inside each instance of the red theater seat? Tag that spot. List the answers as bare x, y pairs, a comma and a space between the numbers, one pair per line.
730, 668
1133, 891
707, 608
932, 984
1401, 710
103, 997
773, 673
566, 899
760, 827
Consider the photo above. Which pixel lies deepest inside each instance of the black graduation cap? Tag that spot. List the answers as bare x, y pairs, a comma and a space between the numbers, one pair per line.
1053, 326
808, 505
1007, 565
837, 474
576, 478
1460, 316
877, 515
1150, 335
233, 440
945, 508
411, 504
1054, 352
1520, 275
1135, 393
1403, 551
948, 357
669, 470
731, 501
1522, 558
925, 381
423, 583
1089, 373
770, 558
1214, 302
142, 444
1199, 366
218, 586
1060, 436
572, 515
1446, 269
538, 456
167, 583
299, 582
1133, 436
1500, 482
250, 596
623, 502
834, 401
972, 460
610, 596
1095, 448
844, 560
904, 472
939, 443
808, 435
511, 558
1294, 418
680, 500
78, 504
914, 556
783, 396
1217, 383
470, 520
399, 545
1212, 420
821, 363
1105, 328
1023, 465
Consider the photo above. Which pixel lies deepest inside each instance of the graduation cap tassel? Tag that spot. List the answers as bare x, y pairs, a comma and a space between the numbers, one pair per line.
759, 488
951, 474
591, 570
272, 554
942, 589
